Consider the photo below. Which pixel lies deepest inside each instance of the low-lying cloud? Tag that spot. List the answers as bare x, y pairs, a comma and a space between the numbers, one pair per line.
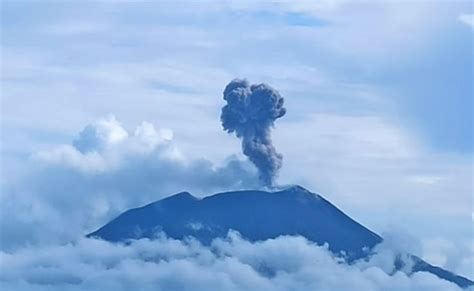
283, 263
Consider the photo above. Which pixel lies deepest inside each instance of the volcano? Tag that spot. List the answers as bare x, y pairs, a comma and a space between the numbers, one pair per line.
258, 215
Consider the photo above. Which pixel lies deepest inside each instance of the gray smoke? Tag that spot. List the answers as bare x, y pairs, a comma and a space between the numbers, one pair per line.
250, 112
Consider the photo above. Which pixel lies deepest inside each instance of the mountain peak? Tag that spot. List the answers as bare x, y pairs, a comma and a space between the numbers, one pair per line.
182, 196
256, 215
296, 189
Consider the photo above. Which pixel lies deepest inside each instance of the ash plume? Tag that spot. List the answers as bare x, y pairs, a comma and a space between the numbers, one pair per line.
250, 113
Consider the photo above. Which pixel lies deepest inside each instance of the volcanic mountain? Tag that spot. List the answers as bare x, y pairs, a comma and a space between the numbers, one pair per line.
257, 215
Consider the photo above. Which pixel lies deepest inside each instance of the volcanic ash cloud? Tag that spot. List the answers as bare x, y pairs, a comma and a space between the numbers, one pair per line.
250, 113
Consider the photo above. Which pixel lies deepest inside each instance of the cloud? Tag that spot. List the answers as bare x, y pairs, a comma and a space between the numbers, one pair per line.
382, 164
73, 188
75, 28
457, 257
467, 19
283, 263
102, 133
104, 144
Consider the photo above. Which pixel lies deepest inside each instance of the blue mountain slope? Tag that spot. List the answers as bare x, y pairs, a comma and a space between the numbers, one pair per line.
257, 215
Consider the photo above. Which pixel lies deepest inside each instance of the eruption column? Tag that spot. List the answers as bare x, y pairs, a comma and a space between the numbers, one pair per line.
250, 113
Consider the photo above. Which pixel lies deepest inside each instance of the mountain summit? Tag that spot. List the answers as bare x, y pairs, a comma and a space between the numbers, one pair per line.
256, 215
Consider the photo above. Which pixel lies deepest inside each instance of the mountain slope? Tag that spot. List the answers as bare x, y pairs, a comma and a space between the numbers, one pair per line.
256, 215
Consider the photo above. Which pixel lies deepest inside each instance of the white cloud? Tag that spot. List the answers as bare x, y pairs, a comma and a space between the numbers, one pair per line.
68, 28
100, 135
103, 144
458, 257
467, 19
66, 191
372, 164
427, 180
69, 156
284, 263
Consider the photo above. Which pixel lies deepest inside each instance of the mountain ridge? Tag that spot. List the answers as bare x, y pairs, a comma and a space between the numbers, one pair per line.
256, 215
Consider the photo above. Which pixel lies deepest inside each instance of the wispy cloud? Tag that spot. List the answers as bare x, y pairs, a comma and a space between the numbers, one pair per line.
467, 19
72, 28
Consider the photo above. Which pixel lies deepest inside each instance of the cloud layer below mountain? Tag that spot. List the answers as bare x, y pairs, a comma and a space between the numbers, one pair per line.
284, 263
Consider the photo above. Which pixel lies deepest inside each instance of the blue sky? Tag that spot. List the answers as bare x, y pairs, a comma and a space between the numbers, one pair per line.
379, 98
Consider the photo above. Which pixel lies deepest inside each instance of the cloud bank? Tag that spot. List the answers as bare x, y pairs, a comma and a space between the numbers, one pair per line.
72, 188
283, 263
